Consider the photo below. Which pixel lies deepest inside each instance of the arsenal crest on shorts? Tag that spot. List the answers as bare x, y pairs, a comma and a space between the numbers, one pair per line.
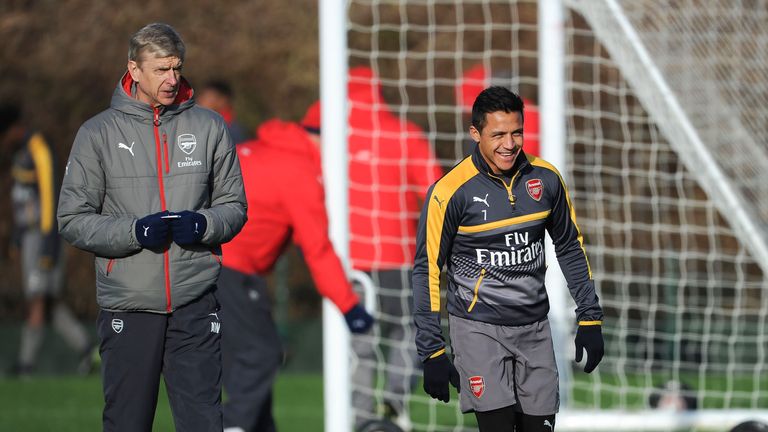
477, 385
535, 188
117, 325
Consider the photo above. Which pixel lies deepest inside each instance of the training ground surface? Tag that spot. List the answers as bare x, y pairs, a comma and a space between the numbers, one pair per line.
70, 403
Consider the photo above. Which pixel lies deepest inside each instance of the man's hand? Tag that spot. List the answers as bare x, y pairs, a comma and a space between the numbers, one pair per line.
590, 338
188, 228
358, 319
438, 372
152, 230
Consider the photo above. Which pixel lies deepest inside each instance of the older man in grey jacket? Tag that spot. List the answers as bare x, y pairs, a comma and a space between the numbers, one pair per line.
153, 188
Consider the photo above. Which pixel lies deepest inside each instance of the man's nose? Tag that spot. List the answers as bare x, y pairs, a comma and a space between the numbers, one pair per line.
172, 77
509, 141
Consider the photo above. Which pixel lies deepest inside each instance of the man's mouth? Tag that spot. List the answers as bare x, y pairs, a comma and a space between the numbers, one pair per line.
508, 154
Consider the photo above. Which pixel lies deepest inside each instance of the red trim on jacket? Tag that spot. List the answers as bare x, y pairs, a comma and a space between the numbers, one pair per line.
184, 93
159, 158
185, 90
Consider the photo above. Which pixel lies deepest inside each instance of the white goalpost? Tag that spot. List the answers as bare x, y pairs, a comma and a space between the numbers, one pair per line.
333, 95
655, 112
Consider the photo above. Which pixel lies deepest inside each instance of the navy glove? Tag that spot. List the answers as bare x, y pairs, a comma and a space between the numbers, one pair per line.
358, 319
152, 230
438, 372
590, 338
188, 228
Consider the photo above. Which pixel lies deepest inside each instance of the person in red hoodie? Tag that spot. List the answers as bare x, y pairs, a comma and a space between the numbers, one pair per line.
391, 165
286, 200
476, 79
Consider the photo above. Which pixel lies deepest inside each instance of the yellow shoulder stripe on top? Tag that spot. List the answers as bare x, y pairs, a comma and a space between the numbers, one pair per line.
441, 195
544, 164
504, 223
41, 154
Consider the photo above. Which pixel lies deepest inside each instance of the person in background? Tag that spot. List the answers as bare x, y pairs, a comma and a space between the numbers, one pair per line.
391, 165
486, 221
476, 79
36, 237
217, 95
286, 201
153, 188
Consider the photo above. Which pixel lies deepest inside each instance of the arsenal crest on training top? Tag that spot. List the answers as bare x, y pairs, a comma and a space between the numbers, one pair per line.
535, 188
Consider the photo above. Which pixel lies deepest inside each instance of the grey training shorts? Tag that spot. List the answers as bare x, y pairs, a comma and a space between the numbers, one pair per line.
501, 366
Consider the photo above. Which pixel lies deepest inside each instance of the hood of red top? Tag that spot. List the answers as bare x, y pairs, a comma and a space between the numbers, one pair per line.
470, 85
287, 136
364, 85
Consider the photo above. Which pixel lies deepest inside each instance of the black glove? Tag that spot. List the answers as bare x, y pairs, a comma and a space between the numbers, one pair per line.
590, 338
438, 372
152, 230
188, 228
358, 319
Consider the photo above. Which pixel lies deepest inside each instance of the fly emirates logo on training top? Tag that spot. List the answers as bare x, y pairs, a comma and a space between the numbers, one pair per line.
520, 251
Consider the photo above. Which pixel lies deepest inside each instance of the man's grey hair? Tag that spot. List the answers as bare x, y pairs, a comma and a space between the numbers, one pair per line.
157, 38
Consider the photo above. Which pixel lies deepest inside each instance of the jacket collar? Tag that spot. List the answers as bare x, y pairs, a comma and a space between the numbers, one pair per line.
123, 100
521, 163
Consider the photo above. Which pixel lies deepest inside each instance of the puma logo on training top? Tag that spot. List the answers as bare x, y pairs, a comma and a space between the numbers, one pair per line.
482, 200
439, 203
549, 425
123, 146
146, 228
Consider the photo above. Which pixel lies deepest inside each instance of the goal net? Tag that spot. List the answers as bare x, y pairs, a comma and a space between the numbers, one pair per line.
666, 113
668, 170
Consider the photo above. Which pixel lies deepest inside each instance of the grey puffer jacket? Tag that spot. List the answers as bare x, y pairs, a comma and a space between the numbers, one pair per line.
133, 160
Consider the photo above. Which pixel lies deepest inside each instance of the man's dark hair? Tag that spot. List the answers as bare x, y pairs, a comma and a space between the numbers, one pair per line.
9, 115
219, 86
491, 100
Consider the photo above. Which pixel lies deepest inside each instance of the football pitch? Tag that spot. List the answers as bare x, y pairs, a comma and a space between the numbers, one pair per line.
71, 403
64, 403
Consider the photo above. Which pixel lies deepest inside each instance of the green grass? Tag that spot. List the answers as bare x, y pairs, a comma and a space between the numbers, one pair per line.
69, 403
608, 390
64, 404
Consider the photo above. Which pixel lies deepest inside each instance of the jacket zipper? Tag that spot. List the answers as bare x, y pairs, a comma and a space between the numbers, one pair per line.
477, 289
158, 151
510, 195
165, 153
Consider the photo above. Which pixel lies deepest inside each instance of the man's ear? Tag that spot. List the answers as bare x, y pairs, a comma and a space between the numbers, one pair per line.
474, 133
133, 69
